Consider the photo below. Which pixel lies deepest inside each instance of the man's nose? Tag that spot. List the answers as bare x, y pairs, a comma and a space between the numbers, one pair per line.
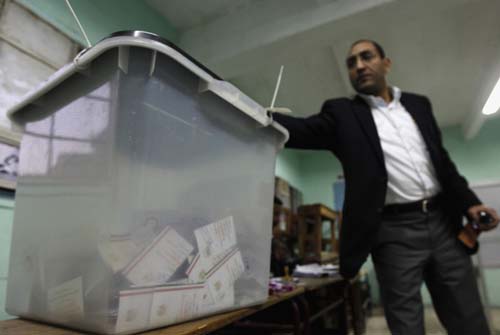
359, 65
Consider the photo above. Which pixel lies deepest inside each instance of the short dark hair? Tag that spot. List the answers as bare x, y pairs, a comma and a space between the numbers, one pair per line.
377, 46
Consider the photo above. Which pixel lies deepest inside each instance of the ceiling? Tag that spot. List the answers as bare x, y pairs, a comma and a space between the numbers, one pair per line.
447, 49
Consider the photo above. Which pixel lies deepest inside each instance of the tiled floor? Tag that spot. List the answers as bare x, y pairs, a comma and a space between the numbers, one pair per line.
376, 324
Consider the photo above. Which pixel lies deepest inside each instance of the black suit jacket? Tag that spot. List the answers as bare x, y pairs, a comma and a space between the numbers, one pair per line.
347, 129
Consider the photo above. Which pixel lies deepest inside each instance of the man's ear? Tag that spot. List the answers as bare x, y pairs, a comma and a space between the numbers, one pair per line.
387, 64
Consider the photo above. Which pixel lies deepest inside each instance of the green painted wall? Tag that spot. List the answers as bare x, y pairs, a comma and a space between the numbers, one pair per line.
493, 286
100, 18
477, 159
288, 167
6, 219
320, 170
313, 172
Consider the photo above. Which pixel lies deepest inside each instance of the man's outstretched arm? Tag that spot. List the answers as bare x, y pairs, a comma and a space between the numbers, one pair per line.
314, 132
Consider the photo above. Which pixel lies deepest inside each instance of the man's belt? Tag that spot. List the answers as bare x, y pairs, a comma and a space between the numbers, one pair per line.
420, 206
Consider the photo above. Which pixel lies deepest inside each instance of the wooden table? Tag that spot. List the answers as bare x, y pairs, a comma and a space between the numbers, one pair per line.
305, 296
324, 297
311, 284
196, 327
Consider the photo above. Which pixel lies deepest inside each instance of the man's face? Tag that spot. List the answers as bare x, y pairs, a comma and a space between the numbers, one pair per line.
367, 70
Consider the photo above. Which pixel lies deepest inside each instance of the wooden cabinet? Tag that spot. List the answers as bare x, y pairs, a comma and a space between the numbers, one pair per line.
284, 246
284, 222
318, 228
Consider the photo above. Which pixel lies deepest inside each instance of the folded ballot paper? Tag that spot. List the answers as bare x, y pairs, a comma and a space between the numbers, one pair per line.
119, 248
214, 241
160, 277
162, 305
158, 262
221, 278
118, 251
155, 300
65, 301
149, 307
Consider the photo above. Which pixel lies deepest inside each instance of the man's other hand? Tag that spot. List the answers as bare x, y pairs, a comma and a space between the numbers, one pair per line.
473, 213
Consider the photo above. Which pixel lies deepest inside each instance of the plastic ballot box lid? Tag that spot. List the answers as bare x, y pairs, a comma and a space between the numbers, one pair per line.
123, 39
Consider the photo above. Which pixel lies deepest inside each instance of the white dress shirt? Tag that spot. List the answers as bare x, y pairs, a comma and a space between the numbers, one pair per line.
411, 174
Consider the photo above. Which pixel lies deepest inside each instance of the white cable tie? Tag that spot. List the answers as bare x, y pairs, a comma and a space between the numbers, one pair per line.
276, 89
79, 24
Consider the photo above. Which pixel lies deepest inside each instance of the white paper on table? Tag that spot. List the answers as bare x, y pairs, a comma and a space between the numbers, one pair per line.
221, 278
172, 304
118, 251
133, 310
158, 262
65, 301
215, 239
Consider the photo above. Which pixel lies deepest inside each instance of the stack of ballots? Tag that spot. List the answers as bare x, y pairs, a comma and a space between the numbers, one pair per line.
208, 284
144, 194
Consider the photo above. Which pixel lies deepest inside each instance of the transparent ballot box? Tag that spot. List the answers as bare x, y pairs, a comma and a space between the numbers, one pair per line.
145, 192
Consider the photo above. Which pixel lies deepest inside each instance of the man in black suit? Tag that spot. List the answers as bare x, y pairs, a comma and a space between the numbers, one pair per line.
404, 198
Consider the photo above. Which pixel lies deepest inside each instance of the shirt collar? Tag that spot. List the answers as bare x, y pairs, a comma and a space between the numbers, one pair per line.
374, 101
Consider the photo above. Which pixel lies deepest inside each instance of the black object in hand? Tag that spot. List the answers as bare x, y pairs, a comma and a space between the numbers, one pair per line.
485, 218
484, 221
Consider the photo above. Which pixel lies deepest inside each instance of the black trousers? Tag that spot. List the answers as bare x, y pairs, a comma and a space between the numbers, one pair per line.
413, 248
